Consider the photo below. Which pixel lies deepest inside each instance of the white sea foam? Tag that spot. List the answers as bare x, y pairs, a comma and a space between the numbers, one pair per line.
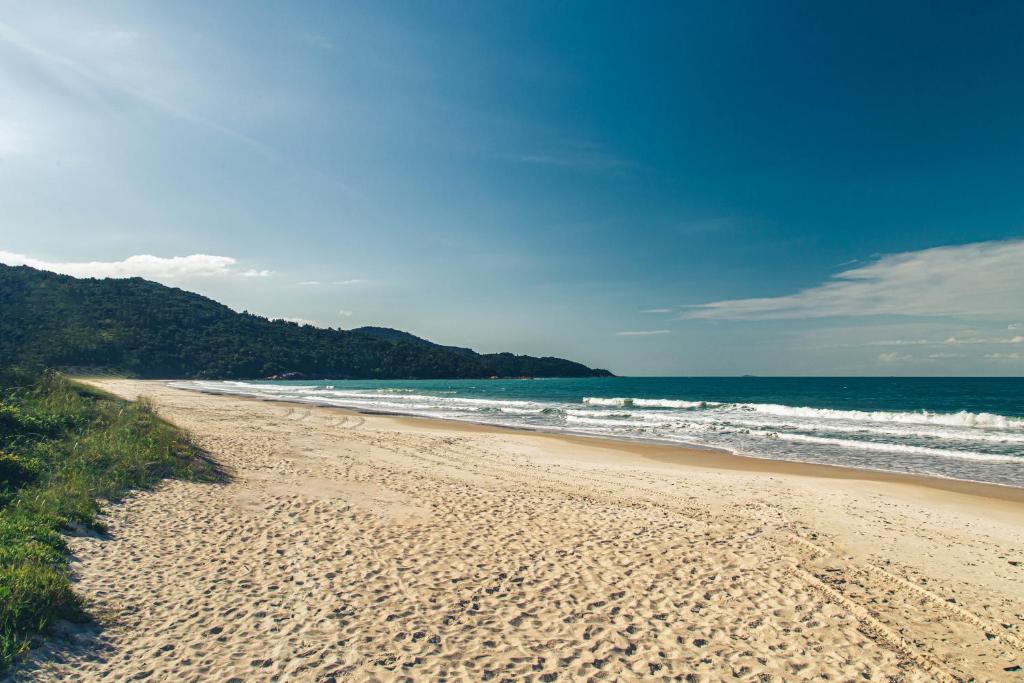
621, 423
670, 403
894, 447
646, 402
911, 430
960, 419
616, 402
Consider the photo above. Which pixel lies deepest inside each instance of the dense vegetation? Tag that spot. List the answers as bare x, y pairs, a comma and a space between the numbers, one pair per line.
63, 448
147, 330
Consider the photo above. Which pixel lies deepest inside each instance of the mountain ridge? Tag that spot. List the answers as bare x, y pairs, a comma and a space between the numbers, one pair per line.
150, 330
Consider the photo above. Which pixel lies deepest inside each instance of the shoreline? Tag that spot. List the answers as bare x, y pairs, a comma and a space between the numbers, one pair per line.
685, 455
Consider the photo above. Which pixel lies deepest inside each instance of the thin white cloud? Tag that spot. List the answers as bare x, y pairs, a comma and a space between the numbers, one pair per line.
944, 355
345, 314
956, 341
142, 265
576, 156
949, 341
97, 84
317, 40
656, 310
900, 342
642, 333
981, 279
889, 358
317, 283
1004, 356
593, 163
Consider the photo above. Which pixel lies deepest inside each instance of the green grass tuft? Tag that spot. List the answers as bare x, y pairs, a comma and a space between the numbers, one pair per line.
65, 448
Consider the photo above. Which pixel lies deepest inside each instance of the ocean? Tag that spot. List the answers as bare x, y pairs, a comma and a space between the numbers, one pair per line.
960, 428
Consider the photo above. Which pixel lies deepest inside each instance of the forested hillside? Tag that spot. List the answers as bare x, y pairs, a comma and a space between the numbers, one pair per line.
146, 329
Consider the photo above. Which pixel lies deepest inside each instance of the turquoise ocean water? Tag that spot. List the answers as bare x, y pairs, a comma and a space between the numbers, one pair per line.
962, 428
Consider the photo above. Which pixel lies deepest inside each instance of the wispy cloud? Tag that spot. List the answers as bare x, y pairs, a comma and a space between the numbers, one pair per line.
949, 341
898, 342
317, 40
656, 310
576, 156
642, 333
142, 265
1004, 356
952, 341
345, 314
580, 163
93, 84
980, 279
890, 358
317, 283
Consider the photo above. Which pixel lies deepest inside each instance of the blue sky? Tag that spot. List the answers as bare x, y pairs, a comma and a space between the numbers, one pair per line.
764, 188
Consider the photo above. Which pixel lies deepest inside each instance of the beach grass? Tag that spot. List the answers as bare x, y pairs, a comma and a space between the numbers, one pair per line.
64, 449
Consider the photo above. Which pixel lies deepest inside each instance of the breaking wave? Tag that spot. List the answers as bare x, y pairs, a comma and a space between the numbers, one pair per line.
960, 419
646, 402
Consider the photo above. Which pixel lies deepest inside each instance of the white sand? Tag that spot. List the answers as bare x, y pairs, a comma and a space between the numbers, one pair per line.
354, 547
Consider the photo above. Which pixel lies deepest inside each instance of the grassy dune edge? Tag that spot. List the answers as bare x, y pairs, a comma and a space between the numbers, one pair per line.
64, 449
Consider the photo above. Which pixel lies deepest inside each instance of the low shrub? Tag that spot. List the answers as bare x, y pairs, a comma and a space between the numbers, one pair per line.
65, 449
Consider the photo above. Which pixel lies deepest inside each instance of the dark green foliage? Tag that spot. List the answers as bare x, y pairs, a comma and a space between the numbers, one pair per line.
148, 330
398, 336
65, 448
16, 471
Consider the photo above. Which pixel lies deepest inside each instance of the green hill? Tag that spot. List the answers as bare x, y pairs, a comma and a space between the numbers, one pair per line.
148, 330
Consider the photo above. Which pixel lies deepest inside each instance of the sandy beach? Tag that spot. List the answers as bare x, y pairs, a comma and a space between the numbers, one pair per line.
362, 547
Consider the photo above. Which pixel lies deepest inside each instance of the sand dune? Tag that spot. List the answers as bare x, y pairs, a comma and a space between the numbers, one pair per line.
355, 547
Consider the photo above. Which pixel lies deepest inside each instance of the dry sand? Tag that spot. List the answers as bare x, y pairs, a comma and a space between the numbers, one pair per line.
356, 547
